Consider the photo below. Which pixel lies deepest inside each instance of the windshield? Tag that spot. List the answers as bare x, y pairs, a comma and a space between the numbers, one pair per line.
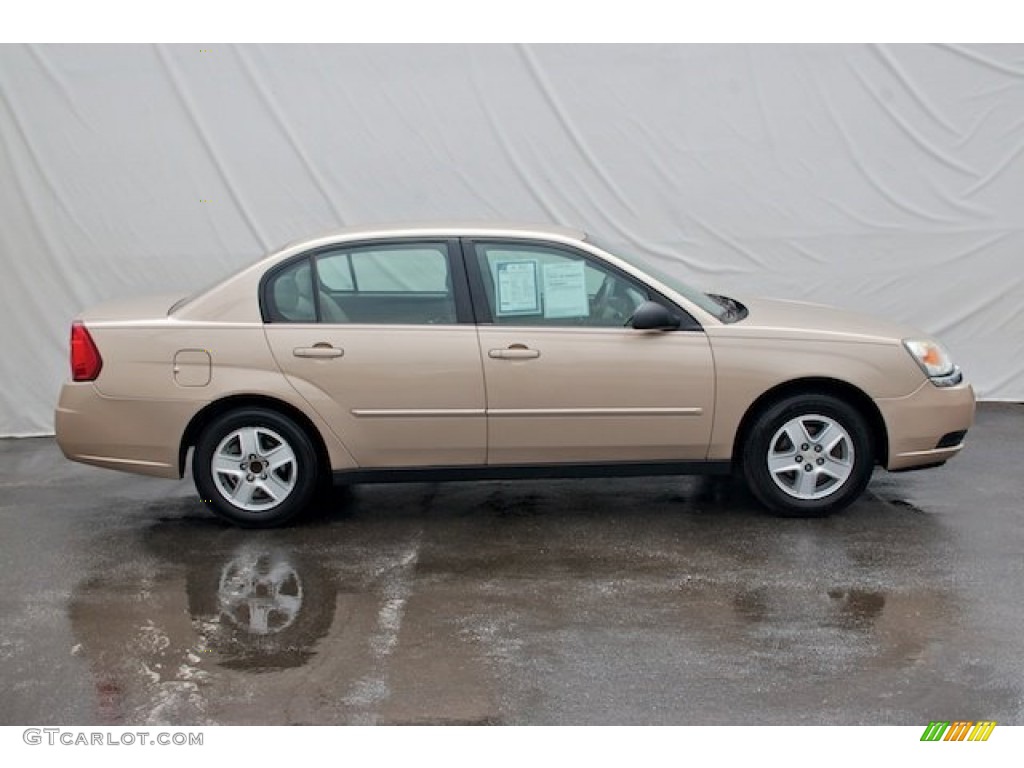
717, 306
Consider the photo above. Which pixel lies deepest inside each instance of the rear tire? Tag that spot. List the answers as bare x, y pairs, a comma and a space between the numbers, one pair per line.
255, 468
808, 456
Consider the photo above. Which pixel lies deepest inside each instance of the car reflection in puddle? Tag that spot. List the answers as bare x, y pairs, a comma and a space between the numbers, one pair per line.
434, 604
260, 594
160, 631
261, 612
189, 622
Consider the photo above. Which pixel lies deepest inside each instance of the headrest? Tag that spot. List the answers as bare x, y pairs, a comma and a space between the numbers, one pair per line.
286, 296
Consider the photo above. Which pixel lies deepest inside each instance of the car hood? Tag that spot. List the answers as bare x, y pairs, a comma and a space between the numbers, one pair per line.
789, 318
138, 308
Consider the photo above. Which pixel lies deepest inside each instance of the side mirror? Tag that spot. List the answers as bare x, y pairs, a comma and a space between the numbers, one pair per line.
651, 316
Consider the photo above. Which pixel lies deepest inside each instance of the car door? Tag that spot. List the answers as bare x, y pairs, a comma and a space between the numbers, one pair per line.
379, 339
566, 380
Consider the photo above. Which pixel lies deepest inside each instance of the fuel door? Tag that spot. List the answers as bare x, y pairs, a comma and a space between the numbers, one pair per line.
192, 368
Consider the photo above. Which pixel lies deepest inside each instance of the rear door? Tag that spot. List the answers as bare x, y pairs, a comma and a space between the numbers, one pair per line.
378, 337
566, 381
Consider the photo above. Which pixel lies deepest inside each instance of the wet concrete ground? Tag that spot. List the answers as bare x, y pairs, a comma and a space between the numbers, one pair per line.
667, 600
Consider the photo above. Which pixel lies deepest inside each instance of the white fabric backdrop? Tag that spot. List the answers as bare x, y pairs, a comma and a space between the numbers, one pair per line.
887, 179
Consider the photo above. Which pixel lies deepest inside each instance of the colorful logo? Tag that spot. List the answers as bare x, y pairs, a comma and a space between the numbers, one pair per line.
958, 730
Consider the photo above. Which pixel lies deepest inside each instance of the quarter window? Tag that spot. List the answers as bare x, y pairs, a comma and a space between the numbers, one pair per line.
290, 295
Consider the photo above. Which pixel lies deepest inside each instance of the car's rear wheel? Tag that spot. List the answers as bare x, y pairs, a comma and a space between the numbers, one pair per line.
255, 468
808, 456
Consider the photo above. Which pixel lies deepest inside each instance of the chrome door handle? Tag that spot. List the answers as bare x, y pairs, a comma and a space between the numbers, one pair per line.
320, 350
514, 352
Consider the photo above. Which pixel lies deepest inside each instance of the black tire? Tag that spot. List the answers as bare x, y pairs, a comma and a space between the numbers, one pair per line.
826, 493
302, 475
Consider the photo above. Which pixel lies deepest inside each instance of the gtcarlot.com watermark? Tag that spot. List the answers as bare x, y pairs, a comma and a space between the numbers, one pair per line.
71, 737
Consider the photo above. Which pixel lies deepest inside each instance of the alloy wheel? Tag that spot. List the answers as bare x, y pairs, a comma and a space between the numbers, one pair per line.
811, 457
254, 468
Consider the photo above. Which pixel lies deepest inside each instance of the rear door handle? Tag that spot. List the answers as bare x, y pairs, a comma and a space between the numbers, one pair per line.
514, 352
321, 350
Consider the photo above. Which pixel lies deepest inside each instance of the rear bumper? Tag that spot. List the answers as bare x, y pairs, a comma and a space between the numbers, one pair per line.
916, 424
141, 436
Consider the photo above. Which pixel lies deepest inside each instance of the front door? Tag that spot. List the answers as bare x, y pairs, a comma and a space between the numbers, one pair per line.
566, 380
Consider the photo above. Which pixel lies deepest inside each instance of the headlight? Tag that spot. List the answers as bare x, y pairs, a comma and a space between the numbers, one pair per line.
933, 359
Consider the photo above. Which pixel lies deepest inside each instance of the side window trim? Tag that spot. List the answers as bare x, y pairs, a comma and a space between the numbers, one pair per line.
481, 303
464, 307
314, 275
352, 271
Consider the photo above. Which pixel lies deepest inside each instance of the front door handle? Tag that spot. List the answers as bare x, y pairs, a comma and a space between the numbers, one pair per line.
514, 352
321, 350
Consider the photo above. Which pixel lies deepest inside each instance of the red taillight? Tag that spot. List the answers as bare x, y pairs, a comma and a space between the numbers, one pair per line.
85, 358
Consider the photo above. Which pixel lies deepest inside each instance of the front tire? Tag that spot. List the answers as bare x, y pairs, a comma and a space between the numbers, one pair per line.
255, 468
808, 456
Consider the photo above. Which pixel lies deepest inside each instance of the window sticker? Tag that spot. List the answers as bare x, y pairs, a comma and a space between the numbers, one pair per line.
516, 286
565, 290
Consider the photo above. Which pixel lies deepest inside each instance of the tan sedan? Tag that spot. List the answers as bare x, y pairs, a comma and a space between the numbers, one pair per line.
476, 352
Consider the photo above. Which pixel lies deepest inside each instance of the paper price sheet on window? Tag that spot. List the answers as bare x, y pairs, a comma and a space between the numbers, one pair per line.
565, 290
516, 283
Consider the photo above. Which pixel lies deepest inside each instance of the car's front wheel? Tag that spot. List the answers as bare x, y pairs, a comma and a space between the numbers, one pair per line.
808, 456
255, 468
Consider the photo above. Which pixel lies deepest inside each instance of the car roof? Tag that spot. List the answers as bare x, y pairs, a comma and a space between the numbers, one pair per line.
453, 228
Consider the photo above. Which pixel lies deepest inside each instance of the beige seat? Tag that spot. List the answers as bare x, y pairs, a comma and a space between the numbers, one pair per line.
330, 310
293, 298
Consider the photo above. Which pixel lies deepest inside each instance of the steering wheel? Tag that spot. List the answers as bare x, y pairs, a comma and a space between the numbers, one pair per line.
601, 307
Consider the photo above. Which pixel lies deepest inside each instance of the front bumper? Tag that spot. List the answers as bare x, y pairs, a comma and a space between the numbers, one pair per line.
132, 435
916, 424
